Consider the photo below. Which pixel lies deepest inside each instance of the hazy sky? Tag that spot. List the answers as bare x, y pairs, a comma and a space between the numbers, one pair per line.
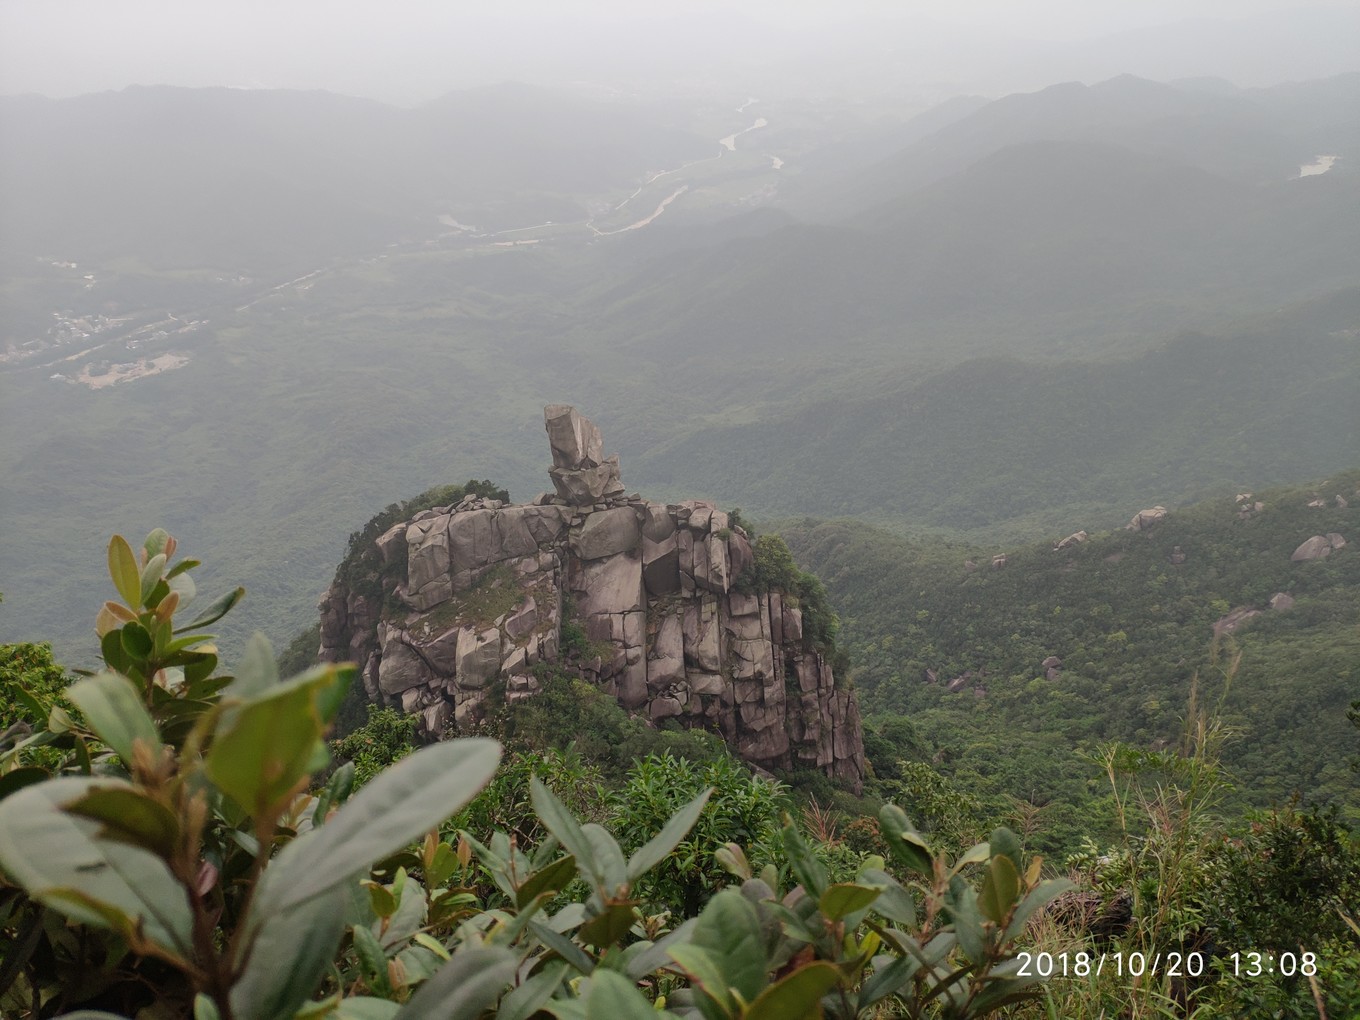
411, 50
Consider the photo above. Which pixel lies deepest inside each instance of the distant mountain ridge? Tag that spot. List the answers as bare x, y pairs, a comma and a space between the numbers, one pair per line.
261, 180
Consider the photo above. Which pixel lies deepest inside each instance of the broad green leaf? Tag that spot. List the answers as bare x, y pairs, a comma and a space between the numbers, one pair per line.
706, 978
641, 958
218, 609
157, 542
371, 958
729, 932
114, 710
976, 854
271, 740
17, 779
151, 576
1000, 886
380, 900
1003, 841
654, 851
123, 569
845, 898
611, 870
894, 902
613, 996
558, 820
364, 1007
178, 570
406, 919
287, 956
52, 853
130, 816
552, 878
1037, 897
398, 807
961, 902
527, 999
906, 844
890, 974
732, 859
1003, 993
464, 987
564, 947
258, 672
136, 640
205, 1008
798, 995
609, 925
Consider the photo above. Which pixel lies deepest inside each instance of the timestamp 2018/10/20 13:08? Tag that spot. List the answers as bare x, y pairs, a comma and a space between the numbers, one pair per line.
1171, 964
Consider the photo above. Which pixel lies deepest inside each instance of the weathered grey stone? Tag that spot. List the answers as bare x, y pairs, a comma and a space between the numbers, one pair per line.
427, 559
1281, 601
739, 604
441, 652
401, 668
632, 685
1335, 540
657, 525
685, 545
665, 708
575, 441
1144, 519
739, 555
512, 533
479, 656
521, 621
1314, 548
587, 486
436, 718
701, 636
661, 566
606, 533
392, 543
546, 523
472, 541
515, 661
706, 683
612, 585
1076, 538
1229, 623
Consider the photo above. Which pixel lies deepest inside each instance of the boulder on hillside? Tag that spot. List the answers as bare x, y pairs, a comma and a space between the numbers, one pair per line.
1318, 547
1076, 538
1145, 519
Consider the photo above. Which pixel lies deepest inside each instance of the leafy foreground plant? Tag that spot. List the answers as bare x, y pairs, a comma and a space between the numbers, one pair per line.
179, 838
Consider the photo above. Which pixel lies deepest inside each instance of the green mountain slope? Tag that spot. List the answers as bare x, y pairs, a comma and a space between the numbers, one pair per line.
1061, 445
1131, 616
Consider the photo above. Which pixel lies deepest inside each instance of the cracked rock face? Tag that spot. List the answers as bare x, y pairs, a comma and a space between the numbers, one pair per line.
652, 588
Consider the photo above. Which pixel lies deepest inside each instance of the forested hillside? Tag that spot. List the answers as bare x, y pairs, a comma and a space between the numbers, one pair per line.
959, 653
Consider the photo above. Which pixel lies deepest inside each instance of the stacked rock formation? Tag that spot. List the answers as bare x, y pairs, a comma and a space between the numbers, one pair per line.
488, 588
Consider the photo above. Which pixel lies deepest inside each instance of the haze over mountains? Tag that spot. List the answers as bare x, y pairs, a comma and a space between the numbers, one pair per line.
255, 317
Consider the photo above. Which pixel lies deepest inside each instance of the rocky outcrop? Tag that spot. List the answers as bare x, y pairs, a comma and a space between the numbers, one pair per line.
1145, 519
1317, 547
644, 593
